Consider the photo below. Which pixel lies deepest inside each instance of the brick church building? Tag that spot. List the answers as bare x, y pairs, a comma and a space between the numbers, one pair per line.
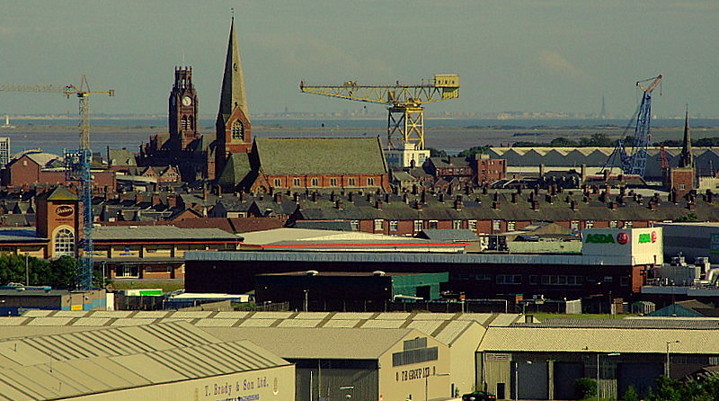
183, 146
238, 162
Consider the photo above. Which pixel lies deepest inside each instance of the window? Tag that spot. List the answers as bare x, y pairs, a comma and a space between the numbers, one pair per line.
511, 225
589, 224
418, 225
612, 224
433, 224
351, 181
682, 186
496, 225
394, 225
333, 182
354, 225
378, 224
185, 123
64, 243
472, 224
315, 182
511, 279
238, 130
574, 225
370, 181
457, 224
533, 279
296, 182
628, 224
278, 182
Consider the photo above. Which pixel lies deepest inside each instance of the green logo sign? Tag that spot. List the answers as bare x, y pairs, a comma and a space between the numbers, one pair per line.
600, 239
644, 238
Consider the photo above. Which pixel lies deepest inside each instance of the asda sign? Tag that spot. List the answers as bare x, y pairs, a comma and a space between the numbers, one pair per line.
639, 245
620, 238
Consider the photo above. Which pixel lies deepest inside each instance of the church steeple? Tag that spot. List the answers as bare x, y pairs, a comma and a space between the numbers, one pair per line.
233, 82
233, 127
686, 159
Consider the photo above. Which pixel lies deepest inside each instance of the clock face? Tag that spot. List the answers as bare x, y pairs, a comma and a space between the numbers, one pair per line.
187, 100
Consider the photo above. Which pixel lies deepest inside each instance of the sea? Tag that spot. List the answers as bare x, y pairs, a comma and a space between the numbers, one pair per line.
57, 135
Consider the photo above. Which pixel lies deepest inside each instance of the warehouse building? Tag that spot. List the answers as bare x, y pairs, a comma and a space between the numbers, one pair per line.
612, 261
392, 364
166, 361
462, 333
542, 361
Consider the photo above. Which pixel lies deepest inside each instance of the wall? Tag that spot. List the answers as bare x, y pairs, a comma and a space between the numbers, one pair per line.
400, 382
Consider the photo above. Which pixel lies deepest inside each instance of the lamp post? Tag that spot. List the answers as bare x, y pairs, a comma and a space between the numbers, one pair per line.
27, 269
668, 368
599, 369
426, 383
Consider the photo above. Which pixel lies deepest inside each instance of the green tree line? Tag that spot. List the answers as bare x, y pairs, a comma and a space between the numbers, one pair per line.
58, 273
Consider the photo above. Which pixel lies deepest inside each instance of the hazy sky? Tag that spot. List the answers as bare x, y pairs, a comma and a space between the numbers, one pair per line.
512, 55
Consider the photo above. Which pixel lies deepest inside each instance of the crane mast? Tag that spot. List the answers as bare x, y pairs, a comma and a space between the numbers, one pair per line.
635, 162
405, 120
78, 165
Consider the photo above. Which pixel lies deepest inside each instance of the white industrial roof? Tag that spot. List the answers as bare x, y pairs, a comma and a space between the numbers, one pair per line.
593, 340
94, 361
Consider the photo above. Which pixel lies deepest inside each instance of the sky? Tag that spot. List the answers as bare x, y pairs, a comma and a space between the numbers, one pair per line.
511, 55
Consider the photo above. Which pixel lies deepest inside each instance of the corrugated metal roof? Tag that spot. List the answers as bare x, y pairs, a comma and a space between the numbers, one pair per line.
56, 366
447, 326
314, 343
526, 339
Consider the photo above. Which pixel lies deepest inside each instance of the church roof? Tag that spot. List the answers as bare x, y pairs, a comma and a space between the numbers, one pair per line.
233, 93
236, 169
305, 156
121, 157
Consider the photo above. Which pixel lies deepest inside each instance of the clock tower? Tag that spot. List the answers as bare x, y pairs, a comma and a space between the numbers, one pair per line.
183, 110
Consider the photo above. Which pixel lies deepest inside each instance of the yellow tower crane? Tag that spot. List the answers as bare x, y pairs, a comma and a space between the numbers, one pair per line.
405, 121
78, 163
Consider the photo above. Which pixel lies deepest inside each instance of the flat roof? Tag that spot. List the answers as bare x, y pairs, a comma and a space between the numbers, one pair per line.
411, 257
164, 233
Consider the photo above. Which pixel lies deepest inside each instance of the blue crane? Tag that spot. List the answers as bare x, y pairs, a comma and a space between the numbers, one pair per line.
635, 162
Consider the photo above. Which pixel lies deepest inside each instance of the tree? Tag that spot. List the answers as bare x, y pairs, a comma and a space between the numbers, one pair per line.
473, 150
631, 394
562, 142
585, 388
436, 152
12, 268
64, 272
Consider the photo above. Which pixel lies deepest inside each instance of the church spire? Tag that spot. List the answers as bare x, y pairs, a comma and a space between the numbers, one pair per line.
686, 159
233, 94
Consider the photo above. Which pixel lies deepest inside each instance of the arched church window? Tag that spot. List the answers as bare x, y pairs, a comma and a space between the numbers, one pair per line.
64, 243
238, 131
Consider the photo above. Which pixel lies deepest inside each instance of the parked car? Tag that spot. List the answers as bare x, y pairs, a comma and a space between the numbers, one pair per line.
479, 396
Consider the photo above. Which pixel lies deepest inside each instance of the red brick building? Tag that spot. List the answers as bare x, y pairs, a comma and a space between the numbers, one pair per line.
38, 168
489, 170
